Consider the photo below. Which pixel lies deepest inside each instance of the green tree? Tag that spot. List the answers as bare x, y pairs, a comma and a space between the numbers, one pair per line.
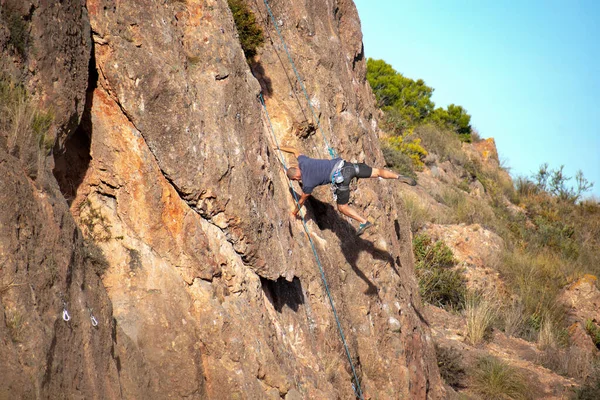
454, 118
410, 99
407, 102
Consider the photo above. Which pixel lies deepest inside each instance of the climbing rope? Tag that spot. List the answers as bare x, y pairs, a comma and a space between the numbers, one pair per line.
331, 150
356, 385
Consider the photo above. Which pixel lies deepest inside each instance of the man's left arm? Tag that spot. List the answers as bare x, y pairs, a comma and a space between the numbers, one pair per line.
301, 201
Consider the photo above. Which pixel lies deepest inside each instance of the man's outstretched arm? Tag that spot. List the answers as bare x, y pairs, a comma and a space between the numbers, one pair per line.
292, 150
301, 201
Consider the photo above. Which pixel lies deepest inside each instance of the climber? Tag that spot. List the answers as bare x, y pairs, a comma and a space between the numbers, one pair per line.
338, 173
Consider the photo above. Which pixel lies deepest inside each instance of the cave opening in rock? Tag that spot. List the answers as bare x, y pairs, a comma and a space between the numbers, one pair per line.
283, 293
73, 160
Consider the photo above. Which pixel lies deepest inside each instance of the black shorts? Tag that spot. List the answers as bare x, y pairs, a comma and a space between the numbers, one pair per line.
349, 172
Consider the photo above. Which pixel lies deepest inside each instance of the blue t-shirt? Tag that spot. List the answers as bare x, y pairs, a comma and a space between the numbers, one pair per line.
315, 172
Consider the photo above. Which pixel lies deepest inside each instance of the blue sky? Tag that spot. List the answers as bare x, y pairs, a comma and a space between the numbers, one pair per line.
528, 72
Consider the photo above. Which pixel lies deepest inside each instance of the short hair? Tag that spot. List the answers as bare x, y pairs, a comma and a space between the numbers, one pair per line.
292, 172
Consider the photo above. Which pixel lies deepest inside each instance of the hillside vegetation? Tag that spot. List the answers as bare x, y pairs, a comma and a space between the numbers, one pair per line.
550, 232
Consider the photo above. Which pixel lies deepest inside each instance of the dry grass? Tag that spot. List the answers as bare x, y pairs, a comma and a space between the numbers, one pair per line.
547, 337
15, 322
571, 361
468, 210
495, 379
513, 318
418, 213
23, 126
481, 311
444, 143
536, 278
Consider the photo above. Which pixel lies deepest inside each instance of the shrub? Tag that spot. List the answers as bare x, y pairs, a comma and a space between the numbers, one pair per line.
16, 326
449, 361
592, 329
408, 145
480, 312
250, 33
525, 187
18, 30
547, 337
494, 379
398, 161
439, 283
554, 181
94, 225
496, 185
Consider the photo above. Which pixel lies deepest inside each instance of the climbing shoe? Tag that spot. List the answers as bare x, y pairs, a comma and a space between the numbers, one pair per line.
407, 179
363, 227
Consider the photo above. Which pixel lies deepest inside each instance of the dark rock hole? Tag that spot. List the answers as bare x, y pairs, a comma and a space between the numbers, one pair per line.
397, 228
283, 293
72, 162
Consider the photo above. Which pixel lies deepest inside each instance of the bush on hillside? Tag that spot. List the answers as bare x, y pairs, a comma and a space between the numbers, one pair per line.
481, 310
418, 212
410, 146
594, 331
398, 161
555, 182
439, 283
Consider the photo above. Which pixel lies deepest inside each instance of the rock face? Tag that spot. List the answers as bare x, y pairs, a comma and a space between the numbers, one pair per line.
173, 173
476, 250
44, 265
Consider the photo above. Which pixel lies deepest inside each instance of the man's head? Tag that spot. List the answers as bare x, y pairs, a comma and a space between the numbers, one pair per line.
294, 174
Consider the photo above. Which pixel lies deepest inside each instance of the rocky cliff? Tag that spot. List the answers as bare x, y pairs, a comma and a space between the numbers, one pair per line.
163, 212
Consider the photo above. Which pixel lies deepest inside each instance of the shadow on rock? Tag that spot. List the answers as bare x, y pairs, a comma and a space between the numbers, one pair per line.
327, 217
72, 162
265, 82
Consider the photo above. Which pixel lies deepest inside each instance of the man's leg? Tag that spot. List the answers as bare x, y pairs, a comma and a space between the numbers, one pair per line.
350, 212
383, 173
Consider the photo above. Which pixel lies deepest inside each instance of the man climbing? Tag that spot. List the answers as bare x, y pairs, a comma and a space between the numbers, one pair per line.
338, 173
